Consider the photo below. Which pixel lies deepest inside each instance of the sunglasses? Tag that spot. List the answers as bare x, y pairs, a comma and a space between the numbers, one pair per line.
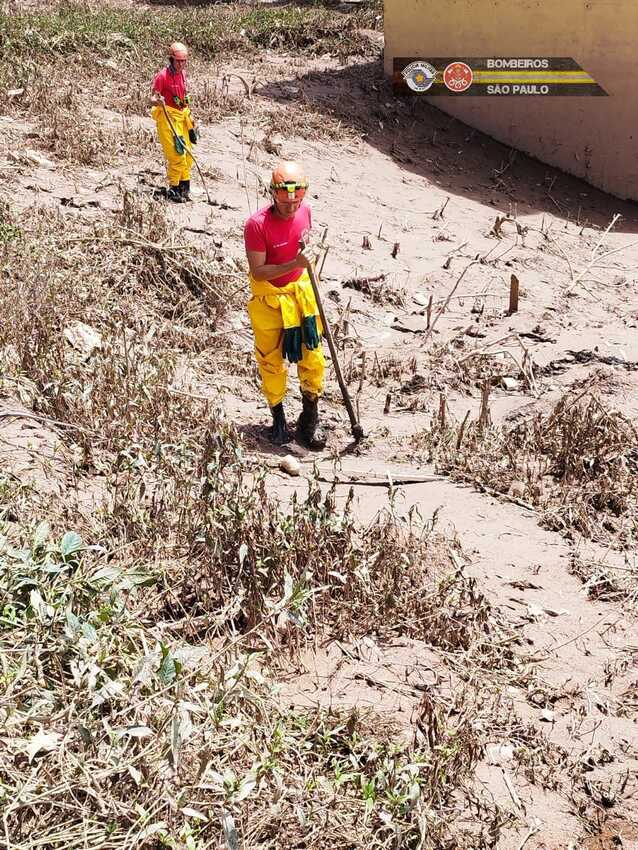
289, 191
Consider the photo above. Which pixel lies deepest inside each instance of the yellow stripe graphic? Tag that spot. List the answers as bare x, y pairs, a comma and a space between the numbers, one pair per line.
554, 77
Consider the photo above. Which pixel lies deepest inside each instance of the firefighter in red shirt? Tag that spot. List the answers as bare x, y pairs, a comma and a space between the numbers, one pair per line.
283, 310
171, 106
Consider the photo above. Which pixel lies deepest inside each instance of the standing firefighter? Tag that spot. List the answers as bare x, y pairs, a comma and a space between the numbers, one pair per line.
175, 127
283, 310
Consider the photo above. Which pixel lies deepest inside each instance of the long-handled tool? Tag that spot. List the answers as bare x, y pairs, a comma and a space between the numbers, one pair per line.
189, 152
355, 425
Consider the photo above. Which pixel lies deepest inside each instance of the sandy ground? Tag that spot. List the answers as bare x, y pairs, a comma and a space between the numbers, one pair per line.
381, 178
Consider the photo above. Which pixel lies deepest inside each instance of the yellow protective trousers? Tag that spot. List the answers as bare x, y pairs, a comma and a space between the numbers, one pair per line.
178, 166
271, 309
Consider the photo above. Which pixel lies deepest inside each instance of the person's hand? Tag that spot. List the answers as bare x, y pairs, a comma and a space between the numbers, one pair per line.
306, 257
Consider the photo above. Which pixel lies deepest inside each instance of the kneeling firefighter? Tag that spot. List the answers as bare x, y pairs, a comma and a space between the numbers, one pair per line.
283, 310
175, 127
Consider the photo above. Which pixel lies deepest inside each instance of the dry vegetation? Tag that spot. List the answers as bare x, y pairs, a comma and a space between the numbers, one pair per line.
578, 465
136, 638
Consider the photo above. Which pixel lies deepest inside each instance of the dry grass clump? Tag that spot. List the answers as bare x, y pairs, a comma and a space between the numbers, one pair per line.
65, 115
608, 582
301, 119
89, 141
144, 301
314, 29
378, 289
458, 365
579, 465
245, 556
383, 371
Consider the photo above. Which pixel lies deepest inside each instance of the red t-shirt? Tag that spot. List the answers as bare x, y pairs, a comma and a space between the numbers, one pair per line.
279, 238
171, 85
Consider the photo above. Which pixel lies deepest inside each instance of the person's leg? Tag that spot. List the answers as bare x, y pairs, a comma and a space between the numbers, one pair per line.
173, 159
311, 370
187, 161
267, 327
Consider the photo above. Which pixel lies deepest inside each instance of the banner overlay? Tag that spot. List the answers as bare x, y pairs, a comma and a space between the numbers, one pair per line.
496, 76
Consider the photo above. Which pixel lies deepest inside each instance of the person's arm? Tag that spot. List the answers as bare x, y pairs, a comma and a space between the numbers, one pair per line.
261, 270
156, 95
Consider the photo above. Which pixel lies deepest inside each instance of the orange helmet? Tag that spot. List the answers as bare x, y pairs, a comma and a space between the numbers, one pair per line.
288, 181
179, 51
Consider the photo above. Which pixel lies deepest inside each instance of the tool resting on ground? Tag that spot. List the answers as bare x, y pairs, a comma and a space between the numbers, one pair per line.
355, 425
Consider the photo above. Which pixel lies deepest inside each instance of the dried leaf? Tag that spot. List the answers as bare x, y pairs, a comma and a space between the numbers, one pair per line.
43, 742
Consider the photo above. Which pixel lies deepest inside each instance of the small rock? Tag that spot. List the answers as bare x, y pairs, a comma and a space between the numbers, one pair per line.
556, 612
508, 383
536, 612
547, 715
290, 465
499, 754
30, 157
421, 298
410, 324
83, 338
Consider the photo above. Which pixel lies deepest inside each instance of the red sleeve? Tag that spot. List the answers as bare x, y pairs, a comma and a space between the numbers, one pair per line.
254, 238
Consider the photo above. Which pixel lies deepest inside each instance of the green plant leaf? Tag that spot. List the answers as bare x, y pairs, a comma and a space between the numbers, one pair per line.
246, 786
88, 631
70, 544
169, 668
41, 535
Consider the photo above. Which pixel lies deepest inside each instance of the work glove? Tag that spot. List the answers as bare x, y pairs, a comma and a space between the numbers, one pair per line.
192, 135
310, 333
180, 145
291, 346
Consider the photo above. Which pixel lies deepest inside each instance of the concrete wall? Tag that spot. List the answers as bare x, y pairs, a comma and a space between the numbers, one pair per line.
592, 137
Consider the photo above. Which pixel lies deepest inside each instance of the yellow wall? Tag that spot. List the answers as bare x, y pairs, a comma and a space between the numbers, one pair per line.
592, 137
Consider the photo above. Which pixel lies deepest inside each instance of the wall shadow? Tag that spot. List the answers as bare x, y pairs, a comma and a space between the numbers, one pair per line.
447, 153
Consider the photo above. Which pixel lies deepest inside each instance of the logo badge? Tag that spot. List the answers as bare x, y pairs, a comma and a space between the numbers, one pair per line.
458, 77
419, 75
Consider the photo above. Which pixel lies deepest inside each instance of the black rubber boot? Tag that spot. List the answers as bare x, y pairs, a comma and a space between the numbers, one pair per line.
185, 189
174, 194
279, 434
309, 432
